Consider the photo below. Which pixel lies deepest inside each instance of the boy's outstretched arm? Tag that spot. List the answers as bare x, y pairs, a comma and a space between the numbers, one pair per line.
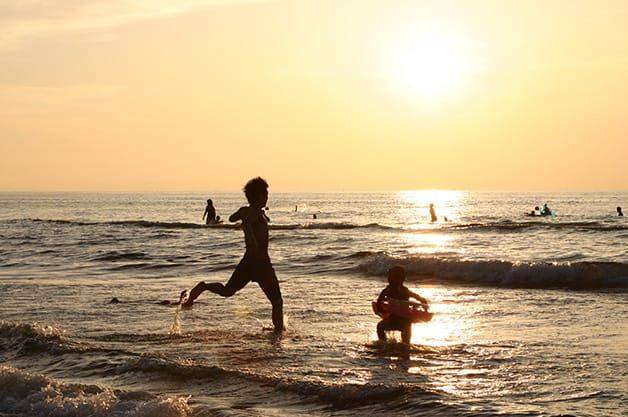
236, 216
418, 297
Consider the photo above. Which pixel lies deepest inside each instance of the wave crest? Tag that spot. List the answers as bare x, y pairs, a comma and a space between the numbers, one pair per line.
185, 225
24, 393
577, 275
24, 337
510, 225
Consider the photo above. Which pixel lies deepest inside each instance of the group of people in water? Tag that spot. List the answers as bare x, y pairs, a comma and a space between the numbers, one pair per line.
256, 266
546, 211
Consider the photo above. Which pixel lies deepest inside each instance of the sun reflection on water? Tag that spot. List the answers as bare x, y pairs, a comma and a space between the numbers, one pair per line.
425, 236
447, 203
439, 347
426, 242
449, 326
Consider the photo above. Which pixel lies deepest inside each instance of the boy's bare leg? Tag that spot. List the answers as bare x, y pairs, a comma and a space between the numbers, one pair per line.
393, 324
237, 281
278, 315
270, 286
406, 335
220, 289
381, 330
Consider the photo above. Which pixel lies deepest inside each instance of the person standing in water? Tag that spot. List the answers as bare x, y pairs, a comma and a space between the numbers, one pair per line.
255, 264
619, 212
546, 210
210, 213
433, 213
397, 291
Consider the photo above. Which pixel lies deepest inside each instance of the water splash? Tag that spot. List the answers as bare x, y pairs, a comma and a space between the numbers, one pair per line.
268, 325
175, 329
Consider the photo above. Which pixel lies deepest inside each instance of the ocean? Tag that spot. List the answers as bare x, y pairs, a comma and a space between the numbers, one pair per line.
531, 313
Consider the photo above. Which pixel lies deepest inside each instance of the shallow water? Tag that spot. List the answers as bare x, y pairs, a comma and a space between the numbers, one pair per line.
530, 312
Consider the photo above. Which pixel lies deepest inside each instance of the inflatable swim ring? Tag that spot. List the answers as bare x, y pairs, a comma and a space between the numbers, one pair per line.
415, 312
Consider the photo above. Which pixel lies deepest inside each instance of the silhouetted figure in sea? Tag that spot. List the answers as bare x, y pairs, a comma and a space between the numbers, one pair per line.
210, 213
255, 264
397, 291
433, 213
314, 216
535, 212
546, 210
619, 212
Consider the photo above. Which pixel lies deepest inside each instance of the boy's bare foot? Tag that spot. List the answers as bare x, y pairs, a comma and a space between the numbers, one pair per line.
187, 297
280, 329
184, 298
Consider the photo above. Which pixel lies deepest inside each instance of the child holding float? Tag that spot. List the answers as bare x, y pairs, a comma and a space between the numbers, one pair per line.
395, 308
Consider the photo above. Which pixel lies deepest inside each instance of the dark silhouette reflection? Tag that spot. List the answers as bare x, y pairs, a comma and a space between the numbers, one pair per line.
396, 291
255, 264
433, 213
619, 212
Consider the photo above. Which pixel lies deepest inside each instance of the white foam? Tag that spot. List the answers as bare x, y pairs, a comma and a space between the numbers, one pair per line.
35, 395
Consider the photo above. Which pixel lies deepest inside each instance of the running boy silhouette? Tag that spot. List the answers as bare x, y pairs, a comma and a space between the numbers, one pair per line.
396, 290
255, 264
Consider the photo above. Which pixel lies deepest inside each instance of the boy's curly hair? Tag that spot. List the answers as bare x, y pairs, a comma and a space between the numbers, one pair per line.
254, 188
396, 275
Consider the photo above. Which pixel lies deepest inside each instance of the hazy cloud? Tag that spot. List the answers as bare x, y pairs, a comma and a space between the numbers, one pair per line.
21, 20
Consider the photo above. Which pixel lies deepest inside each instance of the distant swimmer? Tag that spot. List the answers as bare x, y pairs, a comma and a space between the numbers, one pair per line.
619, 212
314, 216
433, 213
210, 213
255, 264
535, 212
116, 300
546, 211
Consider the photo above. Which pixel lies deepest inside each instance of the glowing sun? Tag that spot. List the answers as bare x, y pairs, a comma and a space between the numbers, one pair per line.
432, 66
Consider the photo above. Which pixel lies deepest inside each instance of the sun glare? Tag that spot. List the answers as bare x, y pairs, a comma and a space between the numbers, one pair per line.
432, 66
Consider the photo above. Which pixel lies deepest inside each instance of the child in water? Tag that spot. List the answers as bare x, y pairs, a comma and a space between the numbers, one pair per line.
255, 264
396, 290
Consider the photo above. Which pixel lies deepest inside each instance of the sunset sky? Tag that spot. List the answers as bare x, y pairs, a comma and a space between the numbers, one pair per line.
200, 95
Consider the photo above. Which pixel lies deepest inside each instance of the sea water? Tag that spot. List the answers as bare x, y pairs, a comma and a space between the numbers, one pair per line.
531, 312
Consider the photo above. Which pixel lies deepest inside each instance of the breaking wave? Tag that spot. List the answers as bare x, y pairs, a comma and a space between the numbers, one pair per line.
576, 275
30, 394
30, 337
